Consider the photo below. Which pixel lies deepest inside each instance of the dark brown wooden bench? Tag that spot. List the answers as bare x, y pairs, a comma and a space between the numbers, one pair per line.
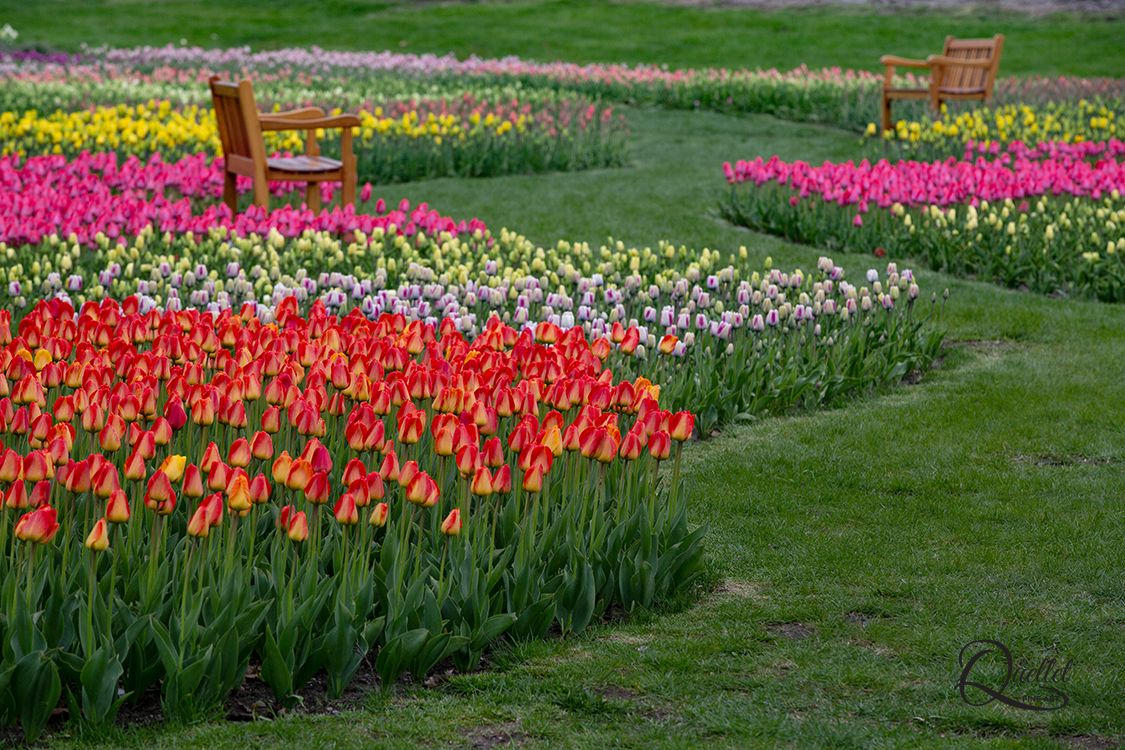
965, 70
244, 151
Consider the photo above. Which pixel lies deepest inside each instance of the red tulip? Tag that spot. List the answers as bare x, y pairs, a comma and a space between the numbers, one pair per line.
39, 526
345, 510
199, 526
451, 526
317, 489
681, 425
422, 490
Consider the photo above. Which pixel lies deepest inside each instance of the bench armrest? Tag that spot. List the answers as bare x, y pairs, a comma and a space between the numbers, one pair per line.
305, 113
904, 62
308, 123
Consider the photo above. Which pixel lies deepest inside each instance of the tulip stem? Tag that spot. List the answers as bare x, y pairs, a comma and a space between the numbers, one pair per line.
90, 602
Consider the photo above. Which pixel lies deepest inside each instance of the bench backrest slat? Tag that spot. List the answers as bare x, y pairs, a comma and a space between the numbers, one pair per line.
957, 77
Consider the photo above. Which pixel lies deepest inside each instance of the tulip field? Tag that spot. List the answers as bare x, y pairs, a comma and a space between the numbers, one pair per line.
553, 439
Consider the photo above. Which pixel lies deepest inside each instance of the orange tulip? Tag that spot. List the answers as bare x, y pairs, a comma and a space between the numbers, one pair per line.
300, 474
238, 495
135, 469
298, 527
407, 473
282, 465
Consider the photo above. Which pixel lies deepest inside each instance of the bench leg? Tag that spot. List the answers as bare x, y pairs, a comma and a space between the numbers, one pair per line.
312, 196
230, 191
262, 192
348, 196
886, 113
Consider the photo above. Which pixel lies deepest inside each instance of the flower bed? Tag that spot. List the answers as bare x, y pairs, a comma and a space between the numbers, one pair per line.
98, 196
400, 141
310, 493
90, 228
843, 97
996, 127
1048, 218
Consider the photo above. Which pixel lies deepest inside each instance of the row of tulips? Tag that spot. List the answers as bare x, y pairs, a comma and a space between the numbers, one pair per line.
399, 141
99, 195
995, 127
843, 97
761, 340
186, 494
1048, 218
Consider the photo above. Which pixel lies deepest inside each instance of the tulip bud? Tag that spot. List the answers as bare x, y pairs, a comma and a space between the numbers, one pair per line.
271, 420
259, 489
493, 452
135, 467
193, 482
681, 425
173, 467
345, 510
300, 475
533, 479
40, 494
98, 539
482, 482
238, 495
199, 525
240, 455
451, 526
422, 490
298, 527
117, 507
379, 514
660, 445
502, 480
317, 489
261, 446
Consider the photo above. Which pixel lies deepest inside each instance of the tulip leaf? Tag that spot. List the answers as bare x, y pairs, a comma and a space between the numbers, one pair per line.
37, 689
490, 630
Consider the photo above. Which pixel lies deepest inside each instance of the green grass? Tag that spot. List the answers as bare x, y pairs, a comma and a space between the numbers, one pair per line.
987, 501
581, 31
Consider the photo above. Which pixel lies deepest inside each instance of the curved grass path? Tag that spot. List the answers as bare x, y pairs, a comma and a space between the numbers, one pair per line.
852, 552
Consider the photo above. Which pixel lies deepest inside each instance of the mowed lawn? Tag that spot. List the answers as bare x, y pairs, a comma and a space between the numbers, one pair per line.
851, 552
